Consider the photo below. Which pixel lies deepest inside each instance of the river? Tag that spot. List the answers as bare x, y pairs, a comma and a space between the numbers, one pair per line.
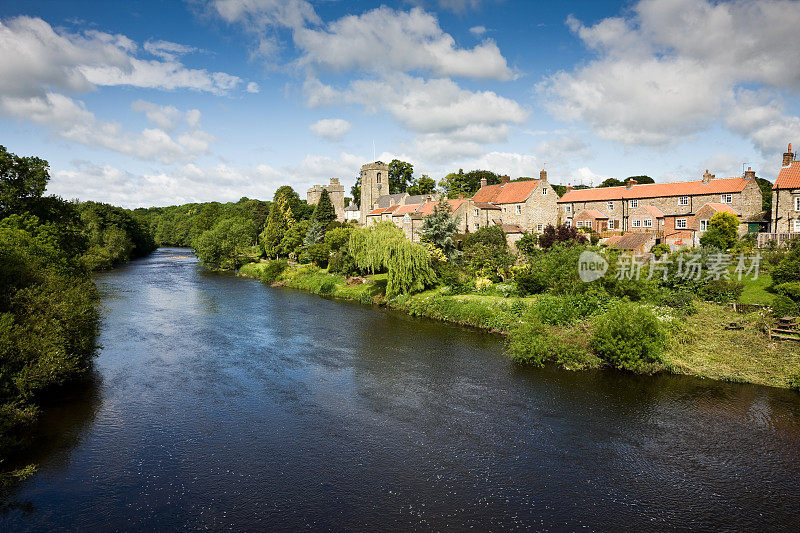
220, 403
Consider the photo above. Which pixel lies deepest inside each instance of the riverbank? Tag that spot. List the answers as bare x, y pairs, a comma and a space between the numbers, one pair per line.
698, 344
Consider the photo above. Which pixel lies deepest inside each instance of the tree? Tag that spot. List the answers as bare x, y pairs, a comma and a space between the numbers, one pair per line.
270, 238
467, 184
324, 211
22, 179
226, 245
423, 185
723, 231
611, 182
355, 191
315, 234
400, 174
291, 205
486, 253
385, 246
640, 179
292, 241
563, 233
439, 227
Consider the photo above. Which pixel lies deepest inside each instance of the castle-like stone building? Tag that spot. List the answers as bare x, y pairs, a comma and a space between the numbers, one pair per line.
335, 191
374, 184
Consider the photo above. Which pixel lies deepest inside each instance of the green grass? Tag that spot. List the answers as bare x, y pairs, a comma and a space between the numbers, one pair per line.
755, 290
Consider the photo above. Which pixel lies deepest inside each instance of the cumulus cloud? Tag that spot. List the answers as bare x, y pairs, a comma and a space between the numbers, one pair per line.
673, 68
167, 50
563, 150
253, 88
477, 30
165, 117
38, 59
386, 40
331, 129
262, 14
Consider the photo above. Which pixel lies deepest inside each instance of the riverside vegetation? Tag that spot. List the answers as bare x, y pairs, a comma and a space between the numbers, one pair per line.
49, 315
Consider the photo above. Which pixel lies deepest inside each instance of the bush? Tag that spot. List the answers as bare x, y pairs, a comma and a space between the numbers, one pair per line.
629, 337
327, 287
342, 263
456, 281
555, 269
790, 290
338, 237
682, 301
530, 343
320, 254
784, 306
272, 270
660, 249
561, 310
788, 269
722, 290
487, 235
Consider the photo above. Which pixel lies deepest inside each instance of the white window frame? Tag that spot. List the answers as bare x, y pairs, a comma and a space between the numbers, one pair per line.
539, 228
519, 209
637, 223
477, 225
683, 200
568, 209
610, 206
797, 225
703, 224
633, 203
648, 223
568, 223
797, 203
726, 198
544, 190
579, 224
680, 223
477, 212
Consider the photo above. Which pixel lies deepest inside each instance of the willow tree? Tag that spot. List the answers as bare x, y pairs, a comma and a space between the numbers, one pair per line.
385, 246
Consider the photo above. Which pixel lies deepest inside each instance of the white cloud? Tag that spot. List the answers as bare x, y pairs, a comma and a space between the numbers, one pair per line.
477, 30
331, 129
562, 151
37, 60
167, 50
165, 117
385, 40
71, 121
508, 163
262, 14
193, 117
253, 87
673, 68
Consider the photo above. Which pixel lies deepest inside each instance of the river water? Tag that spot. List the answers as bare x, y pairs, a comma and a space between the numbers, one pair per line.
220, 403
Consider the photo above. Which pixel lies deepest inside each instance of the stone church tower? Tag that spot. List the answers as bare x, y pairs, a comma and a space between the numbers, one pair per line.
374, 183
335, 191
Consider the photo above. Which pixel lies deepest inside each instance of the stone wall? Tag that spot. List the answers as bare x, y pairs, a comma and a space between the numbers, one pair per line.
336, 193
783, 208
374, 183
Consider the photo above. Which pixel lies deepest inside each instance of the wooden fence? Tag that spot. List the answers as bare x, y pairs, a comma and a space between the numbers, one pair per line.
780, 239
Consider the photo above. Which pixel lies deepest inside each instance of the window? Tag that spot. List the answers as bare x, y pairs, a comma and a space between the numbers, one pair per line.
637, 223
680, 223
726, 198
683, 200
379, 177
477, 226
477, 212
704, 225
633, 203
568, 209
797, 203
519, 209
539, 227
568, 223
610, 206
544, 190
648, 223
613, 224
797, 226
579, 224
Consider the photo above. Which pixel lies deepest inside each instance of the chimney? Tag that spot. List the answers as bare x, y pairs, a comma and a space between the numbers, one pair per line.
483, 183
460, 196
707, 177
504, 180
630, 183
543, 175
749, 174
569, 187
788, 157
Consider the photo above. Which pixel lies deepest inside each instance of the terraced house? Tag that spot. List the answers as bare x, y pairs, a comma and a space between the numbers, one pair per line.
676, 213
786, 196
518, 206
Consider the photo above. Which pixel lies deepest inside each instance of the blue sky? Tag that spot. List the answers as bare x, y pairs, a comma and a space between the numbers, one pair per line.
143, 103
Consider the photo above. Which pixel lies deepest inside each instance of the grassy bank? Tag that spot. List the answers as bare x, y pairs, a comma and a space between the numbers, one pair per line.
697, 344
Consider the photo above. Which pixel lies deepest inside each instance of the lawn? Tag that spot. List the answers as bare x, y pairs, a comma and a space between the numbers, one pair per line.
755, 290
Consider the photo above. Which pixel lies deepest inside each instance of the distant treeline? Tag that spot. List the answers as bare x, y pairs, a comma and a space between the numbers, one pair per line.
49, 317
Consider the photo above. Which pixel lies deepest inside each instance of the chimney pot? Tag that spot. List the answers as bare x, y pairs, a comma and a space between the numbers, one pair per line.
788, 157
543, 175
707, 177
569, 187
504, 179
630, 183
750, 173
483, 183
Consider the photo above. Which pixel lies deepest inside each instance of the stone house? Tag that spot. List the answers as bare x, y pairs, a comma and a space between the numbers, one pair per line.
786, 196
352, 213
336, 193
591, 219
670, 207
531, 204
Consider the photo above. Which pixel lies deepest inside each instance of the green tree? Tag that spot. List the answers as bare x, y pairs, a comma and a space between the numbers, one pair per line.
315, 234
424, 185
641, 179
292, 241
439, 227
324, 211
337, 238
270, 238
400, 174
612, 182
290, 203
467, 184
629, 336
227, 245
355, 190
22, 179
722, 231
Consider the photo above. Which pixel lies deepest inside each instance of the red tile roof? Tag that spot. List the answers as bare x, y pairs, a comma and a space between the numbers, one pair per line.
512, 228
513, 192
403, 209
632, 241
591, 213
788, 177
486, 205
720, 207
427, 208
653, 210
377, 211
391, 208
655, 190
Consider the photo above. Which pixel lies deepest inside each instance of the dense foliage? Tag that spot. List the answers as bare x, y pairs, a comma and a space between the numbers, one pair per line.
722, 231
563, 234
468, 183
629, 337
227, 245
439, 227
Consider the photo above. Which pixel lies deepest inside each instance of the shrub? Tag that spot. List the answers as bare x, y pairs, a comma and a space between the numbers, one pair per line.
530, 282
338, 237
555, 269
790, 290
722, 231
454, 279
629, 337
722, 290
272, 270
682, 301
327, 287
784, 306
530, 343
660, 249
788, 269
487, 235
320, 254
342, 263
561, 310
561, 234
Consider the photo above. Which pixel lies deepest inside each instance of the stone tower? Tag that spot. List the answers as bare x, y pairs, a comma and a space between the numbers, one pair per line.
335, 191
374, 183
